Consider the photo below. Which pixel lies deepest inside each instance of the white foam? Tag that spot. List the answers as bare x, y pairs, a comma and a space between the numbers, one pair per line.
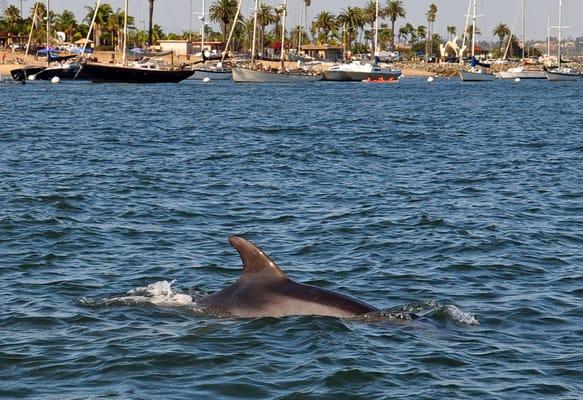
460, 316
158, 293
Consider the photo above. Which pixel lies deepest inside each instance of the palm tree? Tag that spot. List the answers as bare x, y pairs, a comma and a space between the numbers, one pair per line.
265, 17
421, 32
408, 31
104, 12
470, 33
501, 30
394, 10
157, 33
369, 14
452, 30
116, 24
352, 19
12, 18
223, 11
385, 35
325, 23
431, 17
66, 22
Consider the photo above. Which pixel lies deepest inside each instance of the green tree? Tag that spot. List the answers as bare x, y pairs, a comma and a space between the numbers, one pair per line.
369, 12
431, 17
265, 17
104, 12
502, 31
352, 19
393, 11
66, 23
223, 12
452, 30
325, 23
13, 19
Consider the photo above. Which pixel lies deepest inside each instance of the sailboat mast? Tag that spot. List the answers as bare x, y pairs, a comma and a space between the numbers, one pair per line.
376, 29
48, 31
548, 35
474, 29
301, 25
253, 50
523, 28
283, 18
125, 33
203, 28
560, 30
465, 35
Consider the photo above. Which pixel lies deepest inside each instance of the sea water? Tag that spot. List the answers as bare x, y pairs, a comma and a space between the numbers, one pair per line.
460, 203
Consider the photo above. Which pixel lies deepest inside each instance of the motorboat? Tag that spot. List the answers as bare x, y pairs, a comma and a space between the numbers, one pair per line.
358, 72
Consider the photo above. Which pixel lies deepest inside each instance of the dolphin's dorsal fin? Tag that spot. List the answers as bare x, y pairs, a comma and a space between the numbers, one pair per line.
254, 259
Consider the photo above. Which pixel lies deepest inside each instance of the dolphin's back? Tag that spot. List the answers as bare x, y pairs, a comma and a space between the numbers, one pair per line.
263, 290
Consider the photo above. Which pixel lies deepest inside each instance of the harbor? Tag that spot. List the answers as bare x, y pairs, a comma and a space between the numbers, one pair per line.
284, 54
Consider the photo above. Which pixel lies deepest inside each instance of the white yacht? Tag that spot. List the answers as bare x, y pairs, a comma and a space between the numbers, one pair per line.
358, 72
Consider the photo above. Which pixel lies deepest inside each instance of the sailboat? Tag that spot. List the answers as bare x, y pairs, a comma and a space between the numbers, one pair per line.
215, 72
147, 71
23, 74
562, 73
478, 71
252, 74
369, 72
521, 71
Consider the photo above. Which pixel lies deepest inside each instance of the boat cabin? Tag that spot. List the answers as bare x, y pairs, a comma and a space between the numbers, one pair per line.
323, 52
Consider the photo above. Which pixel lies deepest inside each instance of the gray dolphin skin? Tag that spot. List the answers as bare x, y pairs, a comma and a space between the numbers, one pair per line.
263, 290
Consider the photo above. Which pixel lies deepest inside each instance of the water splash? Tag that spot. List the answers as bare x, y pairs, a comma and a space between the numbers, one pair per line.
158, 293
161, 294
426, 309
459, 316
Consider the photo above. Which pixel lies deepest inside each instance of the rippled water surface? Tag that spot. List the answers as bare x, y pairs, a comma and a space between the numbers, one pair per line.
462, 202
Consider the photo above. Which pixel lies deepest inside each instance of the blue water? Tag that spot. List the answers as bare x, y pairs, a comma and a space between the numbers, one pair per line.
462, 202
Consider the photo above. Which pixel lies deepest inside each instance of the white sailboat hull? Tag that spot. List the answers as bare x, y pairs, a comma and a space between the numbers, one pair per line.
245, 75
525, 74
213, 75
561, 75
471, 76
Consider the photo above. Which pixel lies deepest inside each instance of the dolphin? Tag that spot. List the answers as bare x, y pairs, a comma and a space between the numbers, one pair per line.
263, 290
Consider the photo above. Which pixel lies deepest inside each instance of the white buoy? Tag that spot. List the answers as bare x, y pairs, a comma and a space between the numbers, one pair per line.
206, 79
430, 79
517, 80
55, 79
401, 76
32, 77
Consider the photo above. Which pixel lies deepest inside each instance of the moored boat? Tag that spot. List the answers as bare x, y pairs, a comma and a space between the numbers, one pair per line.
145, 73
563, 74
477, 72
248, 75
212, 73
22, 74
522, 73
358, 72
